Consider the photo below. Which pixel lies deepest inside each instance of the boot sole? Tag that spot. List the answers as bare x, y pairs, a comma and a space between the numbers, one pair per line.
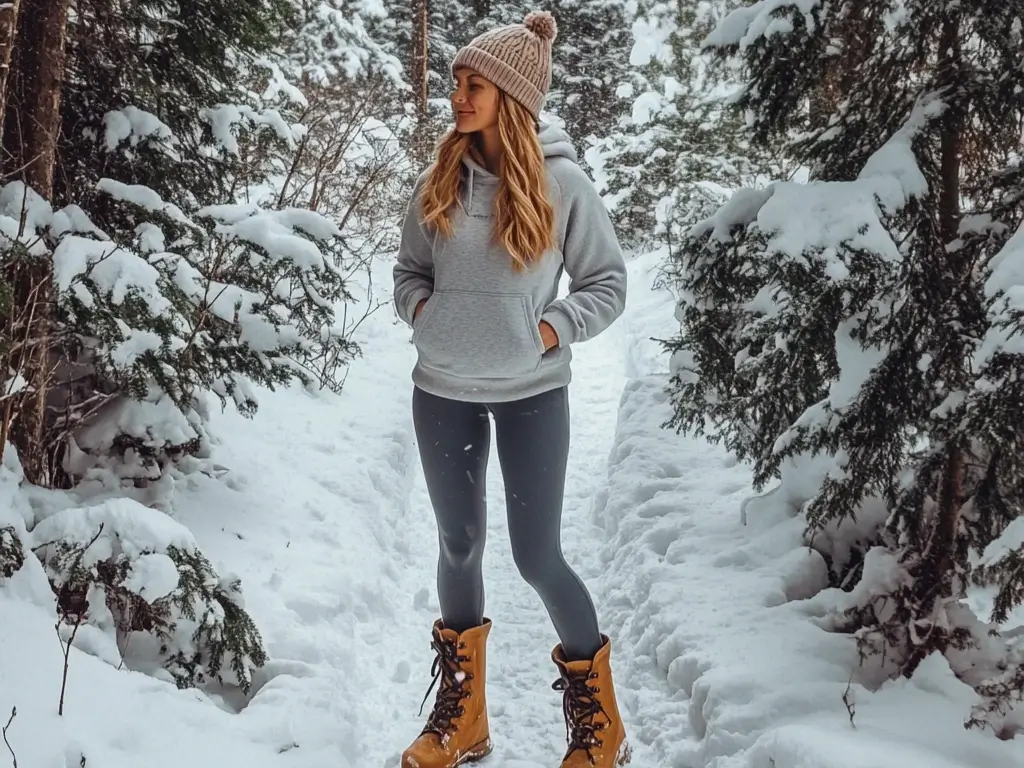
476, 753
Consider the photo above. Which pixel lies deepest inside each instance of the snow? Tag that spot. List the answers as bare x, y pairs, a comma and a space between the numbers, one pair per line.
1005, 284
746, 25
115, 271
144, 197
836, 212
719, 614
273, 231
224, 118
152, 576
133, 125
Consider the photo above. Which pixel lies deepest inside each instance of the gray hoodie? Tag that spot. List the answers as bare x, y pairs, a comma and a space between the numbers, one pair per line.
477, 337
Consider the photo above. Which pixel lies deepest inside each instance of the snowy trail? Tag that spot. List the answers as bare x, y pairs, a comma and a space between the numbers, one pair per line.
327, 521
329, 525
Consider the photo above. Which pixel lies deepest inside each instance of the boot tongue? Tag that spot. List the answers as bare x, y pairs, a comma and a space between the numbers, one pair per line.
577, 668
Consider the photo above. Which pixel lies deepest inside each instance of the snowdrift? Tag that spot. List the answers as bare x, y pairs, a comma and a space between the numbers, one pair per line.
713, 600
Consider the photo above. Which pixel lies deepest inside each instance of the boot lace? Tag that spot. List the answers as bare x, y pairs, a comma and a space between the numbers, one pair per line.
448, 704
579, 706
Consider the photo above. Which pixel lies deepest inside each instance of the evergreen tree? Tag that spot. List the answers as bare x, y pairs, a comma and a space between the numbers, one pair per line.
590, 62
850, 317
674, 160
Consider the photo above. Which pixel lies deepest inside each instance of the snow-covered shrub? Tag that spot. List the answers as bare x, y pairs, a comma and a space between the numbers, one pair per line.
15, 511
124, 569
235, 296
12, 553
872, 316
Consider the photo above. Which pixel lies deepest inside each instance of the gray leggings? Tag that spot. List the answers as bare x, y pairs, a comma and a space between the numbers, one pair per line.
533, 445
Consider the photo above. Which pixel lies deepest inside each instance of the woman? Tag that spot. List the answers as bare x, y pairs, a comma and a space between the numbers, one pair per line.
491, 225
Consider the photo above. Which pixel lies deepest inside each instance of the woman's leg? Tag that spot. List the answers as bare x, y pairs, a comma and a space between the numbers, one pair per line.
533, 448
454, 441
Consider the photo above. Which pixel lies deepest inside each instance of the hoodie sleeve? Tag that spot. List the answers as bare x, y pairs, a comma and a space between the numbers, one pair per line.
414, 270
594, 262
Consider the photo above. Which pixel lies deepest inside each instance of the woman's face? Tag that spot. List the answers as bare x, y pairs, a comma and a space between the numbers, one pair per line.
474, 101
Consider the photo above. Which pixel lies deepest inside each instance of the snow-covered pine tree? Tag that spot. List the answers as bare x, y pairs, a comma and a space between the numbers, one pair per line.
680, 152
136, 576
590, 62
350, 163
993, 408
449, 25
848, 318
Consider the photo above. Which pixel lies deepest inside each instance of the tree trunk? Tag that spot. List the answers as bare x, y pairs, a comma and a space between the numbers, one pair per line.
421, 76
934, 577
34, 87
941, 547
31, 127
8, 27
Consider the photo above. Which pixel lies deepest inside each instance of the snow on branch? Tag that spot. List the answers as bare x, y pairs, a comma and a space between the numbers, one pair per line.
744, 26
1005, 289
274, 231
116, 271
225, 120
133, 125
144, 197
119, 568
822, 217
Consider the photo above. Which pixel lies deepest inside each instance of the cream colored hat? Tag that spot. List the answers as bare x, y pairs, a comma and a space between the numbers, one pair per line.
516, 58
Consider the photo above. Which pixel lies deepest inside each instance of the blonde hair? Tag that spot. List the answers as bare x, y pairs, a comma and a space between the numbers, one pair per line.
524, 219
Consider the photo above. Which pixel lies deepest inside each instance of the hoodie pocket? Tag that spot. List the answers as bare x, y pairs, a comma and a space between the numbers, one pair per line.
479, 335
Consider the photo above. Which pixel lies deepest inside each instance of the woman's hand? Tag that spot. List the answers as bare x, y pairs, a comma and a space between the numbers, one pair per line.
548, 335
419, 308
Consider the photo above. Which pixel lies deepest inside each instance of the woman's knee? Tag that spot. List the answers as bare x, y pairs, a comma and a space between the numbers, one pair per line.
462, 547
538, 565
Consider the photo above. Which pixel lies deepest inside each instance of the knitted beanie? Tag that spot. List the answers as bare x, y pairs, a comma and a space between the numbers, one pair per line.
516, 58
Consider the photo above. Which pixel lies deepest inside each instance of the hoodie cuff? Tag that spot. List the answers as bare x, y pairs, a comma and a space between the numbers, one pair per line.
564, 328
410, 306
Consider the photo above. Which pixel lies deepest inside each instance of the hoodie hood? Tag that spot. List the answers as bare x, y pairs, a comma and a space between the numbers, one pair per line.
554, 142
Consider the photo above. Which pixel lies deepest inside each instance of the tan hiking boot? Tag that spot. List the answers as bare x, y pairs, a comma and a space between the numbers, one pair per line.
594, 729
456, 732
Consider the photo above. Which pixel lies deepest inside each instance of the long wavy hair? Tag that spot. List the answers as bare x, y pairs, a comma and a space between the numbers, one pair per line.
523, 217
